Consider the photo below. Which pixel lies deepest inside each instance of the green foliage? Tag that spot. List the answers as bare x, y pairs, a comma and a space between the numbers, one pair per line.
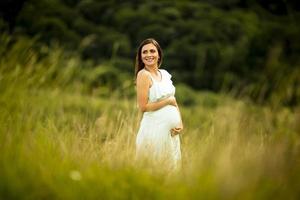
223, 45
50, 28
84, 27
21, 61
3, 26
68, 132
185, 95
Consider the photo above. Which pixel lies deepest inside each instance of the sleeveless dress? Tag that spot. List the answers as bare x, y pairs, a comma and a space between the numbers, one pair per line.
154, 142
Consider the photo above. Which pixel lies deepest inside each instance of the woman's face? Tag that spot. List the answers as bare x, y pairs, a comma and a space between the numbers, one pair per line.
149, 55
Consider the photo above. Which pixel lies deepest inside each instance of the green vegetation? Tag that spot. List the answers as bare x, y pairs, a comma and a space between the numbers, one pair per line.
247, 47
68, 115
68, 132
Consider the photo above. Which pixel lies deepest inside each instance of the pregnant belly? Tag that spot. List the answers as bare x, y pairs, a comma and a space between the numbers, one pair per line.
168, 116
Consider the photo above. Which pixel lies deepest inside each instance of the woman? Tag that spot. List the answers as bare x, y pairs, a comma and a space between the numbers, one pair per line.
157, 139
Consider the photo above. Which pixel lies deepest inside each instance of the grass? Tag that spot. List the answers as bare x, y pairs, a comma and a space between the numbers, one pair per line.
59, 141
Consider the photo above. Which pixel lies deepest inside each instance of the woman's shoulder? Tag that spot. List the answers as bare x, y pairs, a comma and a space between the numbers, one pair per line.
143, 73
163, 71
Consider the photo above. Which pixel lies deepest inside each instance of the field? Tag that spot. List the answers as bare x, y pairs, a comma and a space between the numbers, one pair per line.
59, 139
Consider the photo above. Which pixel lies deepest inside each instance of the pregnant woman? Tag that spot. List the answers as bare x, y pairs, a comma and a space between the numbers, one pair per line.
157, 140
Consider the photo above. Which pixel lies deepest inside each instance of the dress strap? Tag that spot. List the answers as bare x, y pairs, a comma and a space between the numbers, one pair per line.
151, 79
161, 76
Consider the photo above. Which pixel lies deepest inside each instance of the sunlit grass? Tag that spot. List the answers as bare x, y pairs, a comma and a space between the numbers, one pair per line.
58, 141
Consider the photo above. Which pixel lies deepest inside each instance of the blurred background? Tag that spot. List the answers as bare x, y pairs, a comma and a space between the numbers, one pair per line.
249, 48
68, 114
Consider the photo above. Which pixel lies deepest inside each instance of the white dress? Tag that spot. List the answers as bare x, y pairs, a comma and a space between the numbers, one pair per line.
154, 141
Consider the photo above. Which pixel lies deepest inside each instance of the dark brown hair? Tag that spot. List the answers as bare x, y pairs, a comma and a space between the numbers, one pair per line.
139, 65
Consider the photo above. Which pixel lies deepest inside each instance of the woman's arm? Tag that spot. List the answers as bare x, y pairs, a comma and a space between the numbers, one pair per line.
179, 128
180, 115
143, 84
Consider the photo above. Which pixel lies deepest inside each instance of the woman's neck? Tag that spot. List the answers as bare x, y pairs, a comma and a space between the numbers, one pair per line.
152, 69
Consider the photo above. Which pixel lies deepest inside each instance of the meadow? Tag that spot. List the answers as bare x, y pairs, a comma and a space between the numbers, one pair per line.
63, 137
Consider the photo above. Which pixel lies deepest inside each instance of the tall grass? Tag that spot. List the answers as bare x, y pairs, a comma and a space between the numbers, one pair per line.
61, 140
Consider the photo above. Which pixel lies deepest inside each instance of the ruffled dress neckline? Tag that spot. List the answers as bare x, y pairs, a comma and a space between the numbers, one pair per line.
161, 89
154, 79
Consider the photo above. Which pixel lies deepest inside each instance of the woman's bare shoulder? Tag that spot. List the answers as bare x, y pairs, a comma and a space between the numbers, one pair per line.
143, 74
144, 78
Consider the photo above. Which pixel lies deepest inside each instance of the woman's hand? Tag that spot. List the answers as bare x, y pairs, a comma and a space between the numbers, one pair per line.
172, 101
176, 130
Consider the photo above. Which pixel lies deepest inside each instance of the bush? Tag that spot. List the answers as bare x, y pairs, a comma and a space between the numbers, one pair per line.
185, 95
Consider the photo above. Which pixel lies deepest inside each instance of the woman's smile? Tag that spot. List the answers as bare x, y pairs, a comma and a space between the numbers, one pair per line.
149, 55
149, 59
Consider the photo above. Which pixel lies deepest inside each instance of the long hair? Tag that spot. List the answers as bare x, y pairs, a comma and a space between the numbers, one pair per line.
139, 65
